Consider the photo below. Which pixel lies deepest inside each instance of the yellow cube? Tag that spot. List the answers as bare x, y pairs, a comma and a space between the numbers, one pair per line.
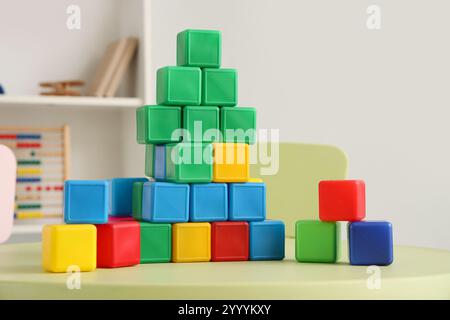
69, 245
191, 242
231, 162
255, 180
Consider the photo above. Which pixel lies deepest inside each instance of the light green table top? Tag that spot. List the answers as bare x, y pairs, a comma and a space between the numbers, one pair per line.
416, 273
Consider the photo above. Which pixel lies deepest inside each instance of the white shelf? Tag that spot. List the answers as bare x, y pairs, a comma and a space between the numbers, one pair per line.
65, 101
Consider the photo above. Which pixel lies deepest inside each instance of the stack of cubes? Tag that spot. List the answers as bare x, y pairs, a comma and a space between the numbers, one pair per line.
197, 152
370, 242
197, 201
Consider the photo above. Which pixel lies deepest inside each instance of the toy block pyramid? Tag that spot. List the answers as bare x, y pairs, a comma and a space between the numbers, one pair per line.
197, 202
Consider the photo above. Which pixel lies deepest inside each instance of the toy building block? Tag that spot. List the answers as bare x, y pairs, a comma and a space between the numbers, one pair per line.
219, 87
67, 246
201, 124
209, 202
155, 161
189, 162
122, 196
156, 124
113, 218
229, 241
255, 180
231, 162
317, 241
370, 243
86, 201
191, 242
247, 201
238, 124
178, 86
342, 200
156, 242
137, 200
118, 244
165, 202
266, 240
199, 48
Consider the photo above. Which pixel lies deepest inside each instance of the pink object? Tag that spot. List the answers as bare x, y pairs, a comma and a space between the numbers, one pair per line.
7, 191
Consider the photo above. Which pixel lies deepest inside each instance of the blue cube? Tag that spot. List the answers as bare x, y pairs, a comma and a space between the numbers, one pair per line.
266, 240
370, 243
209, 202
155, 161
86, 201
165, 202
122, 196
247, 201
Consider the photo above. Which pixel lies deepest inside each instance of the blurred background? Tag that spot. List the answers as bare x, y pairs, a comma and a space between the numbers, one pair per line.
315, 69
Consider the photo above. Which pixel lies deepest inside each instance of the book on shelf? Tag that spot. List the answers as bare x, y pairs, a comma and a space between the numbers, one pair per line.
112, 67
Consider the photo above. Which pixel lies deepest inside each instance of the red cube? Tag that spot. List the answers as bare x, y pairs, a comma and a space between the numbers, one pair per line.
229, 241
342, 200
112, 218
118, 244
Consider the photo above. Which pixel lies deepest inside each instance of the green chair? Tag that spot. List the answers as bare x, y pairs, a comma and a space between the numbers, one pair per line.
292, 193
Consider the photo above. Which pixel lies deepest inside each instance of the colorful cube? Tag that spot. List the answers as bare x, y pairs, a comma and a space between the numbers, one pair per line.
209, 202
317, 241
178, 86
238, 124
158, 124
219, 87
122, 196
229, 241
118, 244
201, 124
69, 246
189, 162
342, 200
156, 242
247, 201
231, 162
191, 242
155, 161
165, 202
199, 48
266, 240
137, 200
370, 243
86, 201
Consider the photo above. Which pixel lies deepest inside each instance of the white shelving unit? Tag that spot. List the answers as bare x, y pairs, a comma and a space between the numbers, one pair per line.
97, 124
72, 102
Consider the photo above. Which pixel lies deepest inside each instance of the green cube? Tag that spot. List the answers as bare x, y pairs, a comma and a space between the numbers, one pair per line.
219, 87
199, 48
156, 242
156, 124
189, 162
238, 125
137, 200
317, 241
201, 123
178, 86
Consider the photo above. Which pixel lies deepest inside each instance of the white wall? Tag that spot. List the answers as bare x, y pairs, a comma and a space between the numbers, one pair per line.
315, 71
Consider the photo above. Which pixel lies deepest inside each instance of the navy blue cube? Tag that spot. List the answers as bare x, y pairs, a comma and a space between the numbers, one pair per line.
209, 202
247, 201
86, 201
122, 196
370, 243
165, 202
266, 240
